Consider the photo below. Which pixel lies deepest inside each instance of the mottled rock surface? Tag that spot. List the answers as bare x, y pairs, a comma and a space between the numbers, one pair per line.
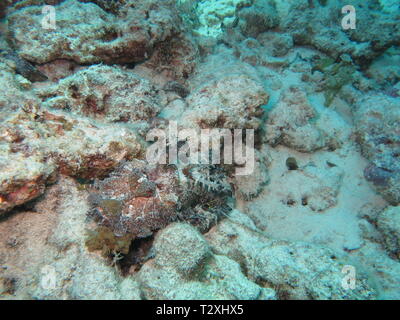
45, 143
229, 102
186, 268
315, 272
378, 131
87, 34
388, 223
293, 123
105, 93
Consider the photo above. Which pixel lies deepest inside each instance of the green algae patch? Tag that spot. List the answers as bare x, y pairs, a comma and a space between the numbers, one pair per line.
336, 75
104, 240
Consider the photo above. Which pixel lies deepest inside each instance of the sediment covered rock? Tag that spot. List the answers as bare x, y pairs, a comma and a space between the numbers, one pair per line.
105, 93
186, 268
232, 102
377, 121
315, 271
388, 223
87, 34
45, 143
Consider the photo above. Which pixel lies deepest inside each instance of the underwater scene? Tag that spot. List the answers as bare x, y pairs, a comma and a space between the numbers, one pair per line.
200, 150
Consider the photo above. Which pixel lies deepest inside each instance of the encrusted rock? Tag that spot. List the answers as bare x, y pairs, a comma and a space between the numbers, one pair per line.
388, 223
22, 178
35, 144
377, 121
315, 272
87, 34
185, 268
289, 123
309, 21
105, 93
232, 101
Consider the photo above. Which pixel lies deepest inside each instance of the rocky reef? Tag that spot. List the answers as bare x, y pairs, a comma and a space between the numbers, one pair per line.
86, 213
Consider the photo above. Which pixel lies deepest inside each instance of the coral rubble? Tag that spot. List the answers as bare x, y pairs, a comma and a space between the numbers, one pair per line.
306, 96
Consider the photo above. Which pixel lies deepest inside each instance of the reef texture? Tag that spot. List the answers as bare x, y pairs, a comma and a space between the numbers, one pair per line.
193, 271
306, 20
105, 93
93, 35
293, 123
84, 215
378, 131
230, 102
388, 223
36, 144
268, 262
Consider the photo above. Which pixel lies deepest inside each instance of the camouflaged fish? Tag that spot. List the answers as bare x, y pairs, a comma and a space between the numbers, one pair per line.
23, 67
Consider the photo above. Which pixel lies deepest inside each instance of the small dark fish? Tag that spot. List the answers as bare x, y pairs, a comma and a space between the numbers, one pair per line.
25, 68
177, 88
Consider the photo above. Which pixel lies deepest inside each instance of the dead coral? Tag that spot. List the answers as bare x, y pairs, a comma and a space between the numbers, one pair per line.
37, 144
105, 93
128, 38
375, 30
377, 121
232, 101
175, 58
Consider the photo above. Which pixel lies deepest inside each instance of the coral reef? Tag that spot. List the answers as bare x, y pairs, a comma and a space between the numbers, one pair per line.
45, 142
293, 123
103, 37
306, 22
377, 125
213, 16
388, 223
105, 93
268, 262
223, 103
22, 179
186, 268
86, 212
